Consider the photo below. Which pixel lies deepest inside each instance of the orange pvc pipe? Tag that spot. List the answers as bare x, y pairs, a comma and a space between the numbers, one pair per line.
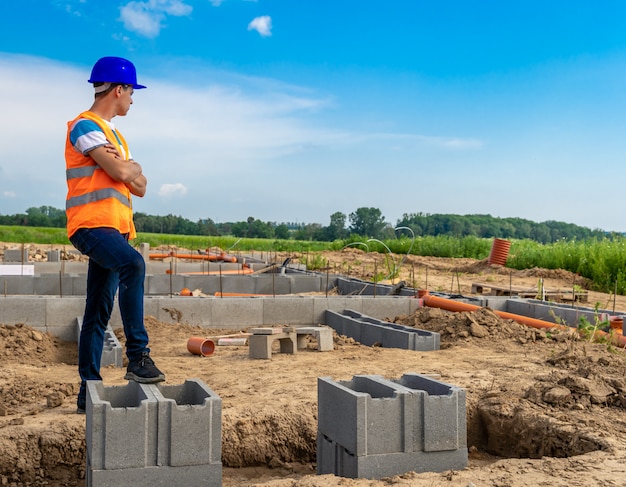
200, 346
239, 294
210, 256
245, 270
452, 305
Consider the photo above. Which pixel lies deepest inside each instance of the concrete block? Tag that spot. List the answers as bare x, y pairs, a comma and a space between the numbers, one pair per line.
16, 255
444, 413
53, 255
236, 312
10, 269
372, 331
121, 430
163, 284
386, 307
112, 351
59, 285
190, 424
208, 475
272, 284
62, 313
296, 310
184, 309
27, 310
21, 285
373, 427
260, 346
323, 335
338, 461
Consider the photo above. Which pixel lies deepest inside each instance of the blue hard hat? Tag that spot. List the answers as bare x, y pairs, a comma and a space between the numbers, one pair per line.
113, 69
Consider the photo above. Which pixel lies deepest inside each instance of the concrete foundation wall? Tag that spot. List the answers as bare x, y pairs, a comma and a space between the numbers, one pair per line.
57, 316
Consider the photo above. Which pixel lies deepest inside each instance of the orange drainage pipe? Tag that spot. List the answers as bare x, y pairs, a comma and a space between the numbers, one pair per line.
213, 257
200, 346
451, 305
220, 294
245, 270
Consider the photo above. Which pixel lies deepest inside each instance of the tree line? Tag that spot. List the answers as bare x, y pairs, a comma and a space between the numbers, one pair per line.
364, 222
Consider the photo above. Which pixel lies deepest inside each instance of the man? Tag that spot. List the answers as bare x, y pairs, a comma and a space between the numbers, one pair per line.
101, 179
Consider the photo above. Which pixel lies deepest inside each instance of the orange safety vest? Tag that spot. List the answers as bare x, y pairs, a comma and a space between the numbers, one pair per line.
95, 199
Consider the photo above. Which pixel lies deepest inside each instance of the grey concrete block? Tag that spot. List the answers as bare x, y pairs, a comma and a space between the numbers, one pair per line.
295, 310
121, 430
372, 331
260, 345
153, 434
16, 255
185, 309
338, 461
27, 310
190, 424
364, 415
386, 307
112, 351
236, 312
17, 285
53, 255
209, 475
323, 335
373, 427
444, 413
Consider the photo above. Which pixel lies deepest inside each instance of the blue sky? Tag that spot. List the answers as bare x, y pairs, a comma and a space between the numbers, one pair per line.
291, 110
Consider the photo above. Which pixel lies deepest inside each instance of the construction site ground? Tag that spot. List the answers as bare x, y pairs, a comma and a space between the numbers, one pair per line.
542, 409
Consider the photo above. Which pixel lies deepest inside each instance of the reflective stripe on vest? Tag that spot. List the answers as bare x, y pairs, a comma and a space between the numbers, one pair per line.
100, 194
80, 172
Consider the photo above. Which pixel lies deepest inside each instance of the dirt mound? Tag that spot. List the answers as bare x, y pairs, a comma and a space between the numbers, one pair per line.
23, 344
480, 324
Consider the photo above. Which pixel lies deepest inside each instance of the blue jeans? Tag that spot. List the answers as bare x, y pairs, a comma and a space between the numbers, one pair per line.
113, 264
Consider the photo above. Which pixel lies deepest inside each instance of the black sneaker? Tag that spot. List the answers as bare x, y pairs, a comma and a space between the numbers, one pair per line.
143, 370
80, 410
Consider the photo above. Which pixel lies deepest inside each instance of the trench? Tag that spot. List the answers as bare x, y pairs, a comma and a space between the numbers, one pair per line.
523, 431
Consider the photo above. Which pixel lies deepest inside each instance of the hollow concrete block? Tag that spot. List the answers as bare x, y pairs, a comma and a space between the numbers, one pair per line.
373, 427
373, 331
112, 351
120, 427
260, 345
190, 424
323, 335
153, 434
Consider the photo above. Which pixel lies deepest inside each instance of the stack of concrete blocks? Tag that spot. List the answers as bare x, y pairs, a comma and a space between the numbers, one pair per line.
112, 352
153, 434
371, 331
262, 339
372, 428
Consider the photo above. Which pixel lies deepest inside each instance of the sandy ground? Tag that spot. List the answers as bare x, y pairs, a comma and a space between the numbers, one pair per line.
542, 410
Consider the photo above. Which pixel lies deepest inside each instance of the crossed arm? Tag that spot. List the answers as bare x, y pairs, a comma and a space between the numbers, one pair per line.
127, 172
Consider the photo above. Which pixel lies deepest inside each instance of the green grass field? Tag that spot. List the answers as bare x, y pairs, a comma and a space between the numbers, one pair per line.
603, 261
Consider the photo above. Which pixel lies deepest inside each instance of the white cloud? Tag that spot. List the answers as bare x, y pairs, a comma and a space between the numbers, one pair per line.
263, 25
169, 190
9, 194
146, 18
